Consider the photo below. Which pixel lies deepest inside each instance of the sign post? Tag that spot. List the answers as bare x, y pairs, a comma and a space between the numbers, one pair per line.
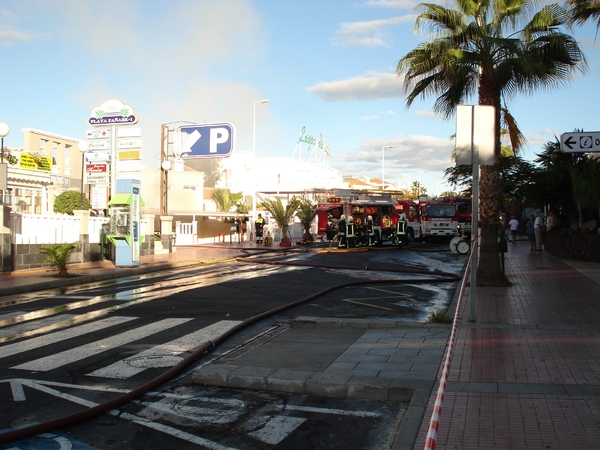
475, 143
583, 142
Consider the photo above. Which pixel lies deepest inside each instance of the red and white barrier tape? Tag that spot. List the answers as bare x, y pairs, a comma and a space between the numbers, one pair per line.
434, 423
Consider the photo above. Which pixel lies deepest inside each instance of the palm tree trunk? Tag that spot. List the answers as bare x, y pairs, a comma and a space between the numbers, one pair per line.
489, 271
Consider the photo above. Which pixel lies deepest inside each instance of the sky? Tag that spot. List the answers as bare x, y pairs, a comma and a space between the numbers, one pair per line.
328, 66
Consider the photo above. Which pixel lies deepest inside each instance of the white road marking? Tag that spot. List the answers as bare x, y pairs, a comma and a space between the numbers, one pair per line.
76, 354
172, 431
34, 325
17, 391
139, 420
122, 370
339, 412
52, 338
276, 429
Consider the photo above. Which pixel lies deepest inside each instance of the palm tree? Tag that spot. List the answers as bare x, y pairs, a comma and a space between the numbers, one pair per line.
225, 200
58, 254
282, 215
584, 10
306, 213
485, 47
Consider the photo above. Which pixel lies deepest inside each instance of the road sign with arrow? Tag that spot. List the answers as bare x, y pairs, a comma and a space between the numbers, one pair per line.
584, 142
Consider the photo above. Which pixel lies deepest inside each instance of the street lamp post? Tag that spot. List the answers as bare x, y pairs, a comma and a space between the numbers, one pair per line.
166, 166
383, 165
83, 147
254, 159
4, 130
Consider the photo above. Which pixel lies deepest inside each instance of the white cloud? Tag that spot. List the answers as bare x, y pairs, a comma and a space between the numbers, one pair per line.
400, 4
371, 86
411, 154
11, 31
371, 33
369, 118
428, 113
8, 37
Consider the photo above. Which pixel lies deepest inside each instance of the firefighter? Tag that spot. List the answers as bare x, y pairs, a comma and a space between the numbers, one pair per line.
350, 233
371, 241
259, 225
400, 237
341, 236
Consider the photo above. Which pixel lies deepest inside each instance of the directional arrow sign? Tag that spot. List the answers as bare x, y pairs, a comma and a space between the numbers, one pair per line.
584, 142
207, 141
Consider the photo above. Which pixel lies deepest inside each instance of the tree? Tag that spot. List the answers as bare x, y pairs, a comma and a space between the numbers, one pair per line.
225, 200
282, 215
584, 10
68, 201
306, 214
486, 47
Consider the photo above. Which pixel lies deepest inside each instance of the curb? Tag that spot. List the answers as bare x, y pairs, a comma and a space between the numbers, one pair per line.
310, 383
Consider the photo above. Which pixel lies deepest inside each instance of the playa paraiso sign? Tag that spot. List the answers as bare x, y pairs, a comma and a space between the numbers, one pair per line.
112, 112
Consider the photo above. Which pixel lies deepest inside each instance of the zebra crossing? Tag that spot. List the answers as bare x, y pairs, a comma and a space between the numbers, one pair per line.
167, 353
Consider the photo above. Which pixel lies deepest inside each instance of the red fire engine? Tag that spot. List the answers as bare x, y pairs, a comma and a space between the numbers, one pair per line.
358, 205
464, 208
438, 217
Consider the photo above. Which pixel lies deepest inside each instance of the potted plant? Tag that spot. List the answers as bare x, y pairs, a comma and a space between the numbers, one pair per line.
282, 215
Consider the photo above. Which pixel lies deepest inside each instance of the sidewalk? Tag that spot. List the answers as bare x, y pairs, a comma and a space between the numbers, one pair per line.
22, 281
526, 375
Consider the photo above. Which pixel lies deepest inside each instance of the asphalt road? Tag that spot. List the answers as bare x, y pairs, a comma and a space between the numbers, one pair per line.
65, 350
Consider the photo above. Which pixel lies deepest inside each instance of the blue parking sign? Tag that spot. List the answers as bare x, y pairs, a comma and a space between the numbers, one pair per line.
213, 140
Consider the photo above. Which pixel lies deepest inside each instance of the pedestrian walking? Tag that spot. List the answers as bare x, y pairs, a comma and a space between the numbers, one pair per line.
514, 225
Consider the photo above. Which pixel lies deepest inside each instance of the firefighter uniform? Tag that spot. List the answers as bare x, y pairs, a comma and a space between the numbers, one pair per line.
350, 233
342, 232
371, 241
400, 237
258, 229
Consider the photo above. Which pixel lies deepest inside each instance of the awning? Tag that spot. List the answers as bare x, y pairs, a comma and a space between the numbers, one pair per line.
123, 199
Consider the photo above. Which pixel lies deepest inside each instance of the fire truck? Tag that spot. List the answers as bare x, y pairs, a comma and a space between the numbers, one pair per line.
358, 205
438, 217
464, 208
413, 218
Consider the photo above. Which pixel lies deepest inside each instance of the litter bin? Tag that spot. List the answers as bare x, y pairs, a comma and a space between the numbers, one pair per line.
105, 244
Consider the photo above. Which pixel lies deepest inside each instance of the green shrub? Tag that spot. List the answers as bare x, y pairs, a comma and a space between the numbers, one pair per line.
58, 254
66, 202
439, 316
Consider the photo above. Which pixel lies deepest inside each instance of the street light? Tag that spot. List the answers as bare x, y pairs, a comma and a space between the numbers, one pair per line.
4, 130
166, 166
383, 164
83, 147
254, 158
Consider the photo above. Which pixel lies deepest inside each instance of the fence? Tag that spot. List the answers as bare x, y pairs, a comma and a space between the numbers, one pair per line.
53, 229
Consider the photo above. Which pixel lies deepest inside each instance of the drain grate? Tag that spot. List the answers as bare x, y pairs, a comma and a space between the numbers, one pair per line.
154, 361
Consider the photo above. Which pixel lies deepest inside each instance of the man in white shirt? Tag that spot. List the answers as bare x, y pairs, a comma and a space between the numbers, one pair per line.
537, 227
513, 224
